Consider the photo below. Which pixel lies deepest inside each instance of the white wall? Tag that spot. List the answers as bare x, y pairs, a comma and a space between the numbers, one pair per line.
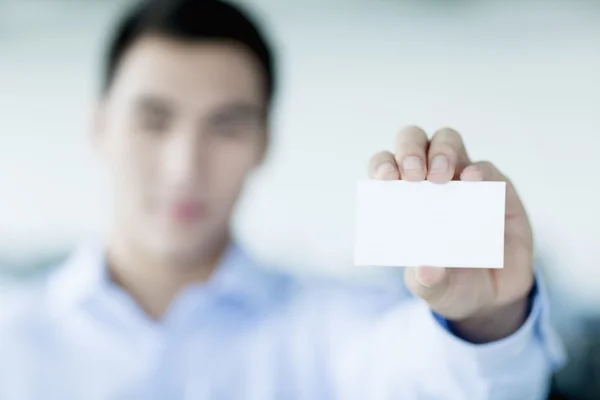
521, 83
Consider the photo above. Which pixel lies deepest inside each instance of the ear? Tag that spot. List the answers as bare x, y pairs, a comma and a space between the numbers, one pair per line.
96, 128
265, 144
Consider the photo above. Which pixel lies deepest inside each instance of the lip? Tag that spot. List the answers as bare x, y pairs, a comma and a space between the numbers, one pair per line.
187, 211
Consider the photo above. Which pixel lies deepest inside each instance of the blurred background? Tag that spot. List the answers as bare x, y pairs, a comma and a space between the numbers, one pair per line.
519, 79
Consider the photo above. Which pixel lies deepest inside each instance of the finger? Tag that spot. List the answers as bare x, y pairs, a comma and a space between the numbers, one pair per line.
430, 277
452, 292
471, 174
518, 236
411, 153
383, 166
428, 283
447, 156
489, 172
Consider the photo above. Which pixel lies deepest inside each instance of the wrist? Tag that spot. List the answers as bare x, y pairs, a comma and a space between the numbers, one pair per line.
493, 324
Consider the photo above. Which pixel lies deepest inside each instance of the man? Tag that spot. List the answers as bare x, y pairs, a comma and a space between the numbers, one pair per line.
171, 308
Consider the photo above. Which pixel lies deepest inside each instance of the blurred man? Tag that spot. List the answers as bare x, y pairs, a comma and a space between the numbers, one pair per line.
171, 308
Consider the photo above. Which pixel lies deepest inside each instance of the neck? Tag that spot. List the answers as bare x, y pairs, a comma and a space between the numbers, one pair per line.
154, 283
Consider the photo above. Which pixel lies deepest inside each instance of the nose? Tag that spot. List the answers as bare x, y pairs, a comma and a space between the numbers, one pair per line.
185, 156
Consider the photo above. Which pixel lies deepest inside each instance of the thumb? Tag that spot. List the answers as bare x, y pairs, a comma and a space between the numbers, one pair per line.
430, 277
428, 283
455, 293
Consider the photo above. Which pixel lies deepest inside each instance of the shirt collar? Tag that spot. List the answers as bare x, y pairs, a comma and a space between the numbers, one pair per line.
238, 279
241, 279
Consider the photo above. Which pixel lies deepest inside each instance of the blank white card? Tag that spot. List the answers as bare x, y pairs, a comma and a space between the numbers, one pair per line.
458, 224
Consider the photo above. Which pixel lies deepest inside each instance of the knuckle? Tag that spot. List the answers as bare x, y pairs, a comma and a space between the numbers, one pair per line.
485, 166
408, 147
411, 133
410, 151
449, 134
444, 148
381, 157
412, 129
377, 159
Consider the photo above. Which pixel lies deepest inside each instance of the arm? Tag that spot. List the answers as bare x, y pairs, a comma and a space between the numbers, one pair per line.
428, 361
388, 347
488, 336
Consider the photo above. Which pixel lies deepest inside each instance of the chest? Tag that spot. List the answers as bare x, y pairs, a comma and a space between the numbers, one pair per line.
267, 358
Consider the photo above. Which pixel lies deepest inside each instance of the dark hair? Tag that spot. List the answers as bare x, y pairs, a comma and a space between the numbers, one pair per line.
190, 20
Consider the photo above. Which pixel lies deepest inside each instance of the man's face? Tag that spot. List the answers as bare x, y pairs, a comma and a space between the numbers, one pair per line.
181, 127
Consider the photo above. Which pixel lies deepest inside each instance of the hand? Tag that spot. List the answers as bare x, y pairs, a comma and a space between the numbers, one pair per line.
482, 304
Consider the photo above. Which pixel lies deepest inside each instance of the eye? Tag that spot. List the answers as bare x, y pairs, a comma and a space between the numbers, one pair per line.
153, 114
228, 126
236, 122
154, 122
233, 126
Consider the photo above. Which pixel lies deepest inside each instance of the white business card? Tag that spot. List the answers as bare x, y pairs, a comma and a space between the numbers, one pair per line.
409, 224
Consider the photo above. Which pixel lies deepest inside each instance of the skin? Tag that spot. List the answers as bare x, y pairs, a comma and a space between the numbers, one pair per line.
181, 128
483, 305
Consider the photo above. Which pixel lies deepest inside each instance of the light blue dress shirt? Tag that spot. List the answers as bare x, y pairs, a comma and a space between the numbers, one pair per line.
253, 333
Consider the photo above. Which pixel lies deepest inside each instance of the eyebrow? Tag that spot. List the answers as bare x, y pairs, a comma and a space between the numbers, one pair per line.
154, 104
163, 107
240, 108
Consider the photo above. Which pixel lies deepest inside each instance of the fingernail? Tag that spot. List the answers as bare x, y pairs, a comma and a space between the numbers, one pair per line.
385, 168
430, 276
412, 164
439, 164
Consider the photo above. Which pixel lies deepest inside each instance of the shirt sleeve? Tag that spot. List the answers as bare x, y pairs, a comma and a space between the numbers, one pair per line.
537, 324
441, 365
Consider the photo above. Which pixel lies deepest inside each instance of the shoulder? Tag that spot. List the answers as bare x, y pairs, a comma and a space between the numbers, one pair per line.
24, 309
21, 315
